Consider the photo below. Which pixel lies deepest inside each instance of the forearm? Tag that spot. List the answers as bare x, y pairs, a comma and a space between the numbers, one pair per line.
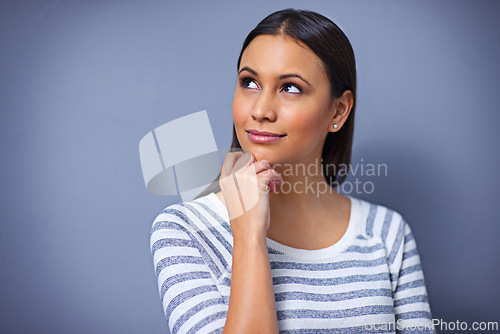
252, 307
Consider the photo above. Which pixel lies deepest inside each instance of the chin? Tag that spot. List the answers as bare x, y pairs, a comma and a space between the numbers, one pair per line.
264, 153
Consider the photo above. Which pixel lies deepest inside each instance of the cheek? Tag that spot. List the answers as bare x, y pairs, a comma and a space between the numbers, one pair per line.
307, 116
306, 126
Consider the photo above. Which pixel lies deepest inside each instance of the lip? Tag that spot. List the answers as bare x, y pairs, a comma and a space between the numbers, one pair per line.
263, 137
264, 133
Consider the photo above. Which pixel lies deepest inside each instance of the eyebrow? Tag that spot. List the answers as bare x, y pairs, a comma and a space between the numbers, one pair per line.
283, 76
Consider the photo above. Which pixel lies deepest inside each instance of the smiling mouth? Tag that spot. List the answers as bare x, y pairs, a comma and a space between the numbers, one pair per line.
264, 133
262, 137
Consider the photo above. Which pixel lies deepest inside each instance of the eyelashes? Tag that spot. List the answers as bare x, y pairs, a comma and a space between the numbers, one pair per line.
289, 87
292, 86
246, 81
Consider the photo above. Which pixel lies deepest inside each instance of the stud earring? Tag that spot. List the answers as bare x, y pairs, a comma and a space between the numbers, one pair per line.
335, 126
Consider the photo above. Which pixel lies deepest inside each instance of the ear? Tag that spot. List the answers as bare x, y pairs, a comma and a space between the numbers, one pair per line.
342, 108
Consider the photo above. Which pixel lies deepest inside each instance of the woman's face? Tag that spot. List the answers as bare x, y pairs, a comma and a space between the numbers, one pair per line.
283, 89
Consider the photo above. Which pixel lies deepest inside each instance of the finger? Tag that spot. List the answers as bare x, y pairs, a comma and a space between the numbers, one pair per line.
229, 161
244, 160
262, 165
266, 178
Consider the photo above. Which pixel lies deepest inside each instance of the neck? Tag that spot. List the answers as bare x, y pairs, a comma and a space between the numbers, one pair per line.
304, 192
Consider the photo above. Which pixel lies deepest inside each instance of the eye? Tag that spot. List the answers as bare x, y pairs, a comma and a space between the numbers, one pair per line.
248, 83
291, 88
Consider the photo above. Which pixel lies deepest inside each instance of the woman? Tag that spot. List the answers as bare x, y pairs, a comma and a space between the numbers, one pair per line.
270, 252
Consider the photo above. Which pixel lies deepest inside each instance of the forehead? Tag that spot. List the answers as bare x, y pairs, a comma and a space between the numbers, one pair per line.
281, 53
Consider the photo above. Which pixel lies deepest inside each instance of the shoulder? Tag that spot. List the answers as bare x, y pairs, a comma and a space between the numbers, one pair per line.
195, 216
189, 225
384, 225
387, 228
379, 221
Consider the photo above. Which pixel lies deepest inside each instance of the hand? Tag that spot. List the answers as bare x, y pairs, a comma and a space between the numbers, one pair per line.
245, 184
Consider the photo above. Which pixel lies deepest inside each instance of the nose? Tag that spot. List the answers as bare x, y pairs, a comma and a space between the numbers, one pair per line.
264, 107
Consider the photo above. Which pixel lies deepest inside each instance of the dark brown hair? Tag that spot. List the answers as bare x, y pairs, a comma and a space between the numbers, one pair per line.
332, 46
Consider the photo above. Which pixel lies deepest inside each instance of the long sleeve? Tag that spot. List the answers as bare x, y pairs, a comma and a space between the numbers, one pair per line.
371, 281
411, 305
191, 300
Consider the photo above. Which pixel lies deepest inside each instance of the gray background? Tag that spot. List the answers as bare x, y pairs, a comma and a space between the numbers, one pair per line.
83, 82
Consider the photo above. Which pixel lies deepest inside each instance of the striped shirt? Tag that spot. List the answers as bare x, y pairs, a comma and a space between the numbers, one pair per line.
370, 281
